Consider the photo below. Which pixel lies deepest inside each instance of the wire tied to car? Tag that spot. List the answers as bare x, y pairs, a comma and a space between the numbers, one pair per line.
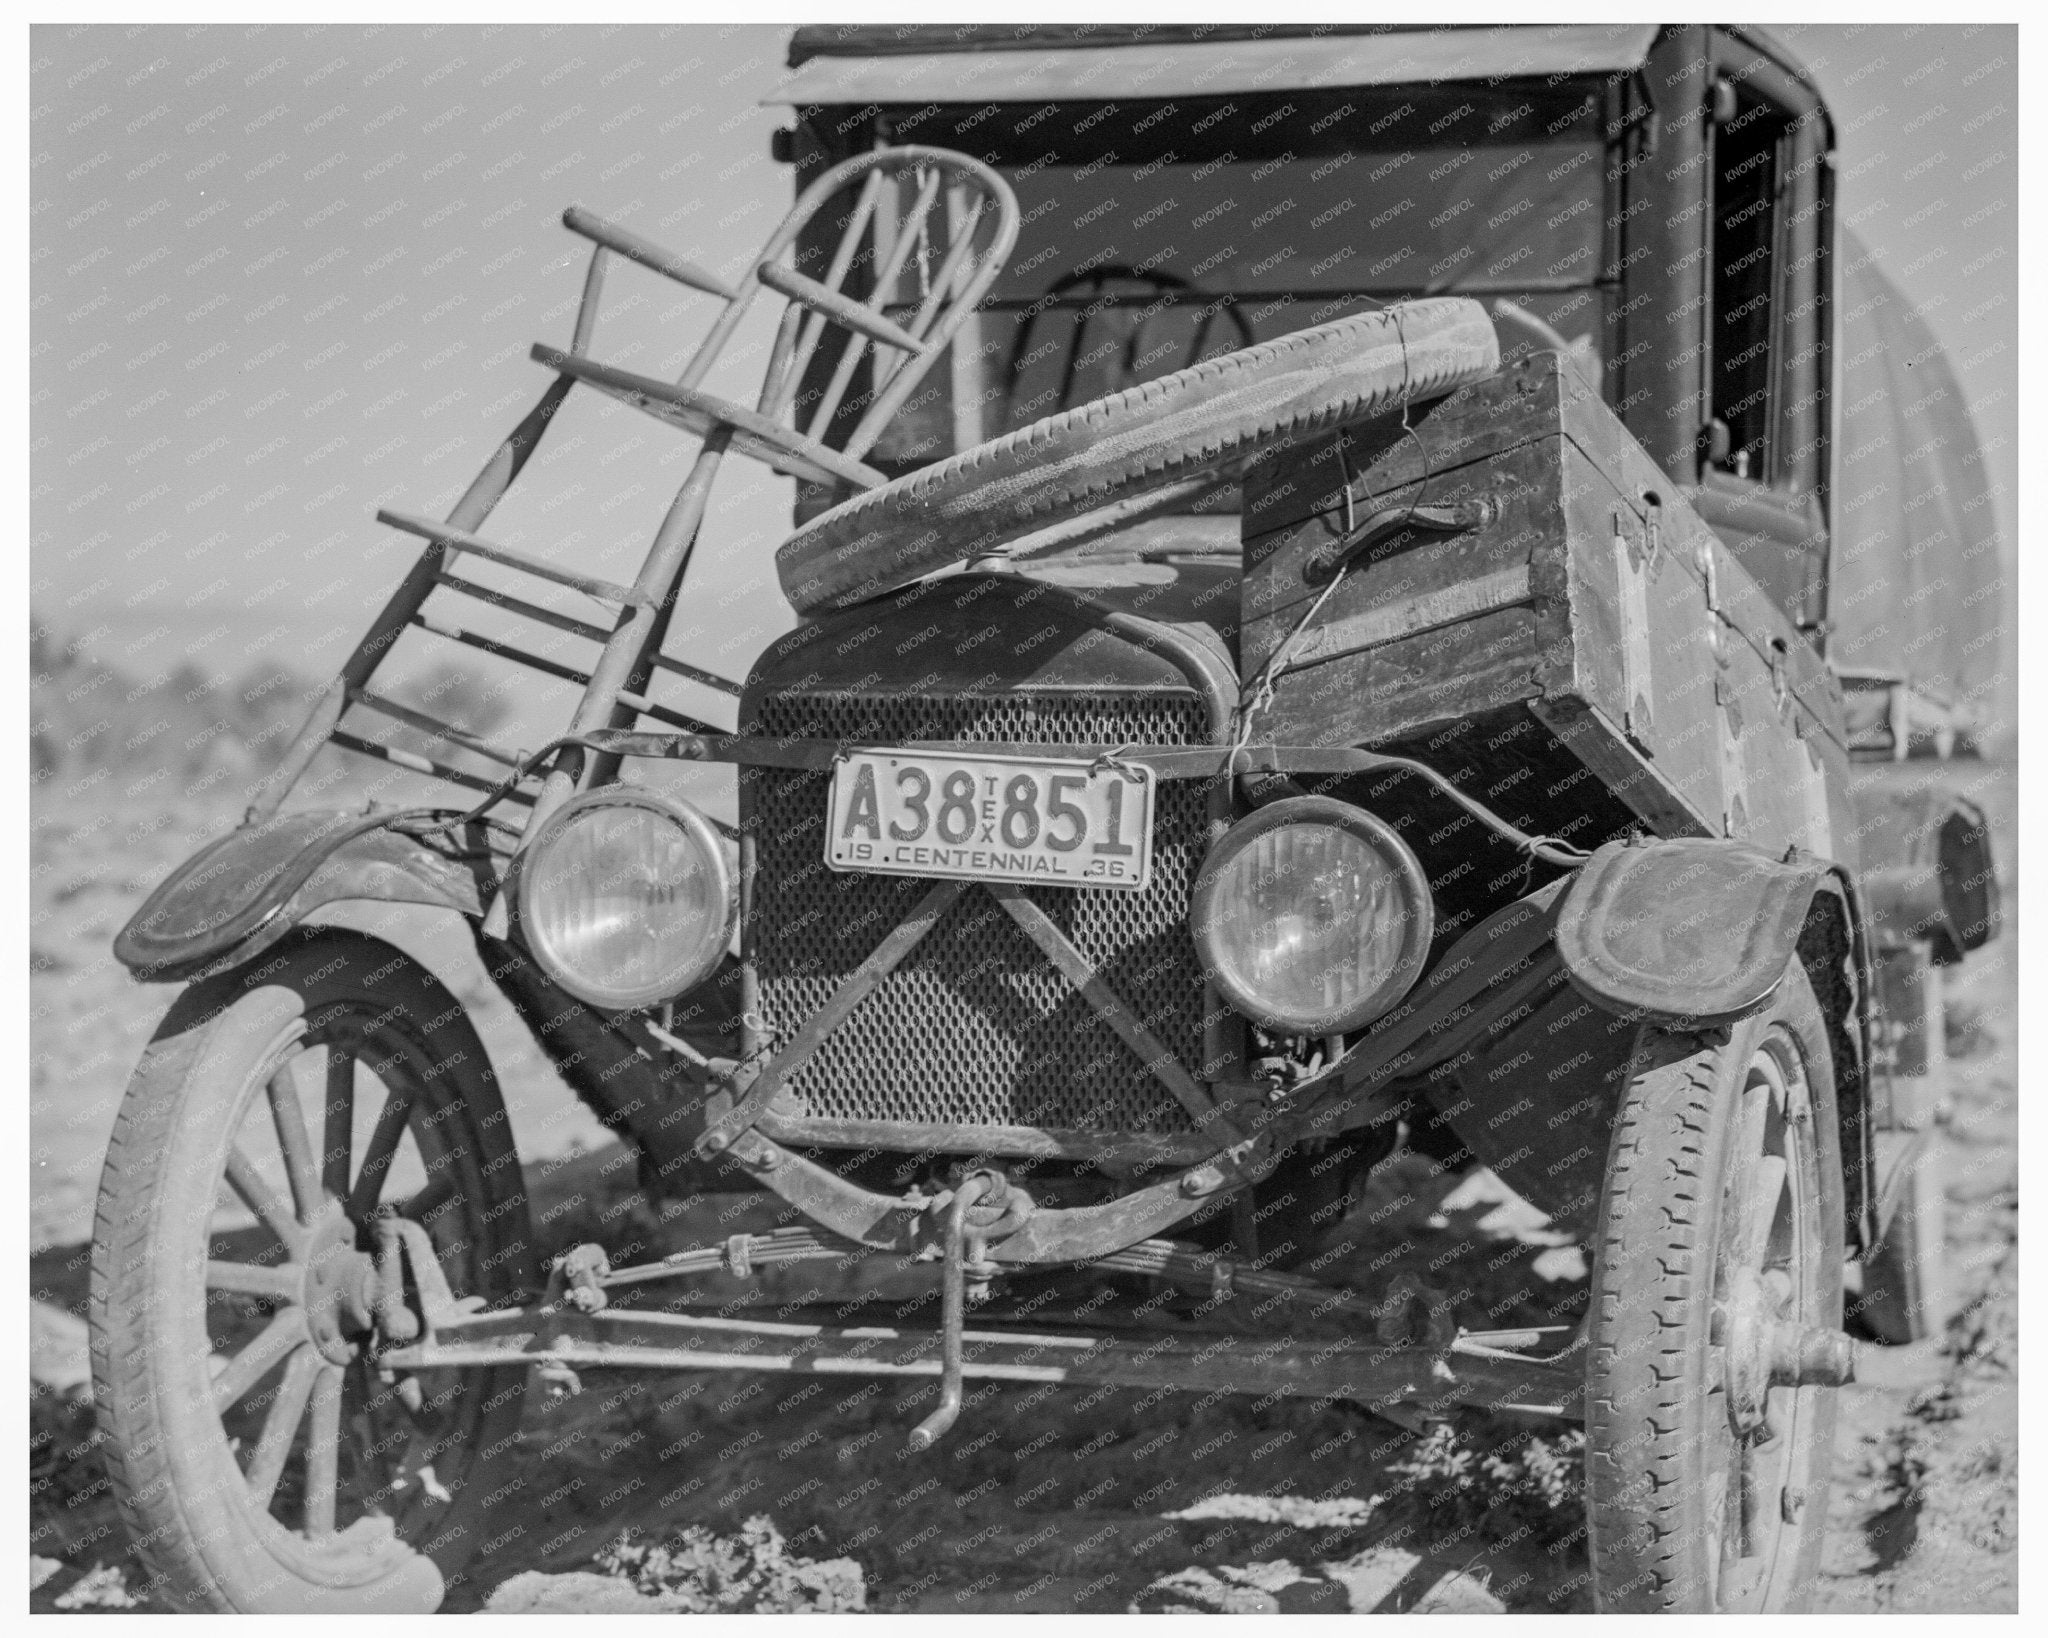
1113, 762
1258, 698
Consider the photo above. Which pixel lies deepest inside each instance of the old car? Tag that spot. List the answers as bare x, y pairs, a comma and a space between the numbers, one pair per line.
1316, 558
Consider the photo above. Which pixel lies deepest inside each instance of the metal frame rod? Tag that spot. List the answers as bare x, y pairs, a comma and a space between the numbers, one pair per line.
862, 982
1107, 1005
1310, 1368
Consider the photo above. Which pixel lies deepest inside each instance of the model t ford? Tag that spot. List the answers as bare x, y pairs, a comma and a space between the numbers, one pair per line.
1318, 557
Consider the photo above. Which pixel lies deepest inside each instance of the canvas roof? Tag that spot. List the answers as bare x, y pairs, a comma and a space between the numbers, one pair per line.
1916, 588
883, 64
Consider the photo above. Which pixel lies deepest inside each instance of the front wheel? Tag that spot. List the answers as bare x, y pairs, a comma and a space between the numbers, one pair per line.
1714, 1345
260, 1460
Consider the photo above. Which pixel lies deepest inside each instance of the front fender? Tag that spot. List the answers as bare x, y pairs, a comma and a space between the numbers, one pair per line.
239, 895
1686, 929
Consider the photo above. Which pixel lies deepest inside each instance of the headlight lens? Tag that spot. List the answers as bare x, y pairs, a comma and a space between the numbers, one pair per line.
625, 898
1312, 916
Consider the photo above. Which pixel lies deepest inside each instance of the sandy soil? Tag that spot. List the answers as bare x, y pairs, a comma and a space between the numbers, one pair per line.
1045, 1498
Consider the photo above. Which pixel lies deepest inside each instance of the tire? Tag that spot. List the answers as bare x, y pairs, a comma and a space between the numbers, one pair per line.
1721, 1217
1905, 1278
176, 1284
1225, 409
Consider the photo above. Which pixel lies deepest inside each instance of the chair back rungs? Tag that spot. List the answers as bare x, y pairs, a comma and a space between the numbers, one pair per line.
498, 649
978, 227
892, 312
460, 540
413, 762
582, 628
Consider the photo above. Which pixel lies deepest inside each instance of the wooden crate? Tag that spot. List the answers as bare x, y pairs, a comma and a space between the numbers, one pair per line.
1597, 618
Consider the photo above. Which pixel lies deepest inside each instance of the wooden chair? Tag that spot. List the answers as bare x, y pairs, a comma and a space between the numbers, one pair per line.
834, 323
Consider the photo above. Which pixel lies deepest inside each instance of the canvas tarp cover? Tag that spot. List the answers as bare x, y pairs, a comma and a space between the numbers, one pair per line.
1917, 580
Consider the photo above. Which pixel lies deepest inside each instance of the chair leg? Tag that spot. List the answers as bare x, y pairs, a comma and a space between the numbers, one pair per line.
483, 494
628, 655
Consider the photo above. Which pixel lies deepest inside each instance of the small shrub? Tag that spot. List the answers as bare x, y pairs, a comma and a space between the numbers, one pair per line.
1477, 1478
697, 1570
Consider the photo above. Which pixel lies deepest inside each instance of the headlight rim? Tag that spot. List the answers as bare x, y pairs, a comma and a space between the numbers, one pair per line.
1385, 841
687, 817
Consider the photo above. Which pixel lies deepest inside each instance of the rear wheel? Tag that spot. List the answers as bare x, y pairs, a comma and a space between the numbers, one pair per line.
1714, 1338
261, 1462
1905, 1286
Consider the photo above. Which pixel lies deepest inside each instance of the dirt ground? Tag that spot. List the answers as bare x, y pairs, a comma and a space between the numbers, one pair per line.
1044, 1498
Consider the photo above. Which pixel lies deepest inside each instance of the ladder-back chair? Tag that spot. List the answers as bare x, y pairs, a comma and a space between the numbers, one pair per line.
797, 432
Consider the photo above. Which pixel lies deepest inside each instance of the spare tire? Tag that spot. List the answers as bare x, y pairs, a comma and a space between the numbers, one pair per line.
1224, 409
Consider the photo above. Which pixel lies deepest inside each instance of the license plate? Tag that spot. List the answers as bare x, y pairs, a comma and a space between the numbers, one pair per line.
991, 818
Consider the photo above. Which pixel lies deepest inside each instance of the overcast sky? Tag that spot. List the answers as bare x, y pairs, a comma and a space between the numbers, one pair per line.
283, 276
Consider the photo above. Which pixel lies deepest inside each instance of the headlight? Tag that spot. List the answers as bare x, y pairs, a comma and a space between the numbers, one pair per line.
625, 898
1312, 916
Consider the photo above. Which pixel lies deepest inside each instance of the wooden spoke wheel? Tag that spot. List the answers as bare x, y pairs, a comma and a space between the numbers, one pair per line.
1715, 1342
261, 1459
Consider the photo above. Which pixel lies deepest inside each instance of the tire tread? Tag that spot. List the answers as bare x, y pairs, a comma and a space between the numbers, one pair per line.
1145, 436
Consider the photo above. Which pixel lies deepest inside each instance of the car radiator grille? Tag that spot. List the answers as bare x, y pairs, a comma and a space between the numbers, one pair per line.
976, 1027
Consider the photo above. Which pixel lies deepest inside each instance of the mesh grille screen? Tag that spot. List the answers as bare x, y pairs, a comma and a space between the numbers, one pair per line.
976, 1026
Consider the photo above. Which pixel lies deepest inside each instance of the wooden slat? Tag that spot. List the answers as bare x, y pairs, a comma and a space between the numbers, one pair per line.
908, 231
960, 230
956, 267
432, 725
586, 312
907, 235
662, 713
459, 540
786, 368
790, 283
554, 668
502, 651
582, 628
422, 765
1411, 616
707, 679
646, 252
519, 606
483, 494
